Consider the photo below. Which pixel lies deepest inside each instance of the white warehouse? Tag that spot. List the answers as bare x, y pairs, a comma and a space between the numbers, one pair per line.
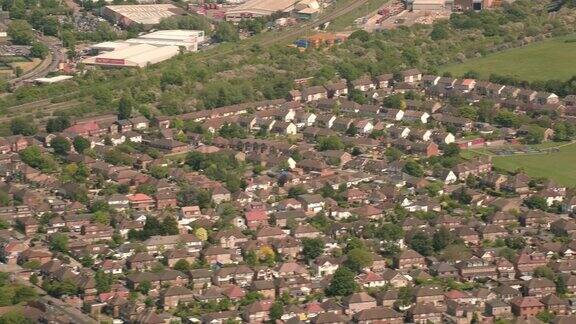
146, 49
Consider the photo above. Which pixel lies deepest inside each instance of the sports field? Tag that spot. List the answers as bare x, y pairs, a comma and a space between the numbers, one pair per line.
546, 60
558, 165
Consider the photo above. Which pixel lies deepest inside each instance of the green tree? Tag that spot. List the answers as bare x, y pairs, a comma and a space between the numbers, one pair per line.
57, 124
276, 311
101, 217
23, 294
422, 243
32, 155
182, 265
439, 31
451, 150
545, 316
59, 242
125, 107
81, 144
18, 9
251, 297
390, 232
32, 265
357, 96
544, 272
394, 101
39, 50
15, 317
561, 287
60, 145
144, 287
312, 248
20, 32
296, 191
226, 32
414, 169
515, 242
21, 126
358, 259
405, 296
536, 202
330, 143
441, 239
158, 171
170, 225
343, 283
507, 119
103, 281
534, 135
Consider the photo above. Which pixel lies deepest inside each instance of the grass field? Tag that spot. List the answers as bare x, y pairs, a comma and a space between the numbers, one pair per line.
550, 59
557, 166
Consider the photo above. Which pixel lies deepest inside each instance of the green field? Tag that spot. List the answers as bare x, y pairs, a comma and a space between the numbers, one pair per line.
558, 166
550, 59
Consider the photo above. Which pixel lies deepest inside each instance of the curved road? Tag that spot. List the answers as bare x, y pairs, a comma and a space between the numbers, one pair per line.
46, 66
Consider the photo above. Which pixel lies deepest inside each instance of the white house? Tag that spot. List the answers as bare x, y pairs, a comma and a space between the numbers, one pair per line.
324, 266
304, 119
364, 126
416, 115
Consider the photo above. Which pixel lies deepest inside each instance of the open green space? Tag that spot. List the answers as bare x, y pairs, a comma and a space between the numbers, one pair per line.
552, 59
557, 166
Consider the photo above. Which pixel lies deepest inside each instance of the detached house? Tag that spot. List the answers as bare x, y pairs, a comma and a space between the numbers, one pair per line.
312, 203
363, 84
359, 301
379, 314
337, 89
409, 259
141, 202
416, 115
411, 76
314, 93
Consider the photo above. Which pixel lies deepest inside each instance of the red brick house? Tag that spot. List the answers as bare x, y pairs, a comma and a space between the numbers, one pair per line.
380, 314
409, 259
256, 218
359, 301
526, 306
166, 199
34, 254
141, 202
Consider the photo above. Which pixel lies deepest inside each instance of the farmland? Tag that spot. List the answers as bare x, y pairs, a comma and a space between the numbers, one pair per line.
546, 60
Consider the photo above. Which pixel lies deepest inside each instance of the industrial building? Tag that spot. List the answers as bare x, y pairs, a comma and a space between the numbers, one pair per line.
145, 14
428, 5
259, 8
146, 49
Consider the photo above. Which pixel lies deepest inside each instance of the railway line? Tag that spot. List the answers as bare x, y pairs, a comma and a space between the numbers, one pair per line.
315, 23
41, 105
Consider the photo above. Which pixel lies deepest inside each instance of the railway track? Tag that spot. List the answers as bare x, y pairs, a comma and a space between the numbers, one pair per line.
280, 38
322, 20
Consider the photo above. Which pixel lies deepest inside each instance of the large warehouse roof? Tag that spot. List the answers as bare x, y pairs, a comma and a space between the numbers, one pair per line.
144, 14
138, 55
262, 7
145, 49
